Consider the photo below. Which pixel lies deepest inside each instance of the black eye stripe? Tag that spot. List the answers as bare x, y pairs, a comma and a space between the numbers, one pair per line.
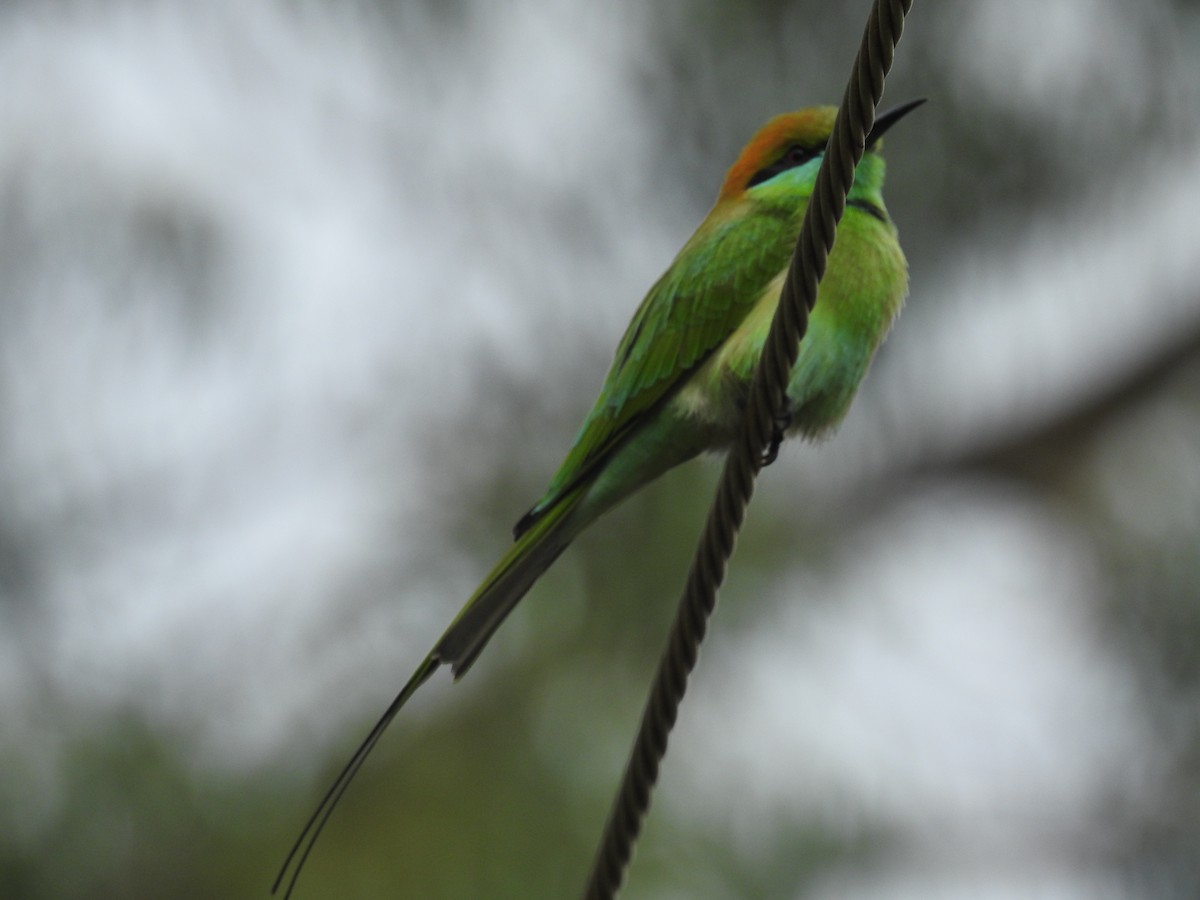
793, 156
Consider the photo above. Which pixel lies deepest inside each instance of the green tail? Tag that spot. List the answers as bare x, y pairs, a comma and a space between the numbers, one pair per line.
320, 816
531, 554
505, 585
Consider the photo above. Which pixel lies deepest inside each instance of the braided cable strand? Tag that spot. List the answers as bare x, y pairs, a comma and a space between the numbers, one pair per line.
846, 146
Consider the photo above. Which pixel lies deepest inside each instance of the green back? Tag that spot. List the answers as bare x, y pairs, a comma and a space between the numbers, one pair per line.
714, 282
699, 301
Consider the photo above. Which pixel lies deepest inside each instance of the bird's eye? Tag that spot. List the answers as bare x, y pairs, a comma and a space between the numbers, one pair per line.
797, 155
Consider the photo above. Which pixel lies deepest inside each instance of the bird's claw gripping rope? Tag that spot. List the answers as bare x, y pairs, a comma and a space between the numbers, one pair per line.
779, 428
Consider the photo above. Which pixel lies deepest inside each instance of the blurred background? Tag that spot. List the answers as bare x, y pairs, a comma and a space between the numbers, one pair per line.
301, 304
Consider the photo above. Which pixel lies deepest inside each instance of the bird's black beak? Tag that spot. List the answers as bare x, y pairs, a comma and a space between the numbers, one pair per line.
890, 118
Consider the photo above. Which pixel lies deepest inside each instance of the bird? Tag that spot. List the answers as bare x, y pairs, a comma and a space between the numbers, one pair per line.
680, 378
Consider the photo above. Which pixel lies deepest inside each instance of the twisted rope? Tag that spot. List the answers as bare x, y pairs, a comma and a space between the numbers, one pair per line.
846, 144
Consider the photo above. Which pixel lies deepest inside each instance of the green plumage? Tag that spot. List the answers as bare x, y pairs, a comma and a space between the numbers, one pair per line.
680, 376
712, 285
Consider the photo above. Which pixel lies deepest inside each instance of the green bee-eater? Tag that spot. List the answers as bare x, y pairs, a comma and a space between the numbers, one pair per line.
682, 372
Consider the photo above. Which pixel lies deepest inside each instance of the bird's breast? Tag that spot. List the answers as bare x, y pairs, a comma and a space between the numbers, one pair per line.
862, 291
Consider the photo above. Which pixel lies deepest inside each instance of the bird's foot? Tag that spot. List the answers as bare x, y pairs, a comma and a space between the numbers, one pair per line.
779, 427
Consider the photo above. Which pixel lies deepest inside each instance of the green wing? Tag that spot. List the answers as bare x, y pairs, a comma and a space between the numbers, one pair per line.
699, 301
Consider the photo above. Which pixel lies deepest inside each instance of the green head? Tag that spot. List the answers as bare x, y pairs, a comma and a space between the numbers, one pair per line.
781, 161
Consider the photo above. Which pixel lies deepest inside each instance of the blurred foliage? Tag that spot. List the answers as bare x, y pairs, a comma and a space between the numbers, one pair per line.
499, 787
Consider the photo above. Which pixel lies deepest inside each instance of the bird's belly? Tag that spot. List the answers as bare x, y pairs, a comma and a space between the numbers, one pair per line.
850, 320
